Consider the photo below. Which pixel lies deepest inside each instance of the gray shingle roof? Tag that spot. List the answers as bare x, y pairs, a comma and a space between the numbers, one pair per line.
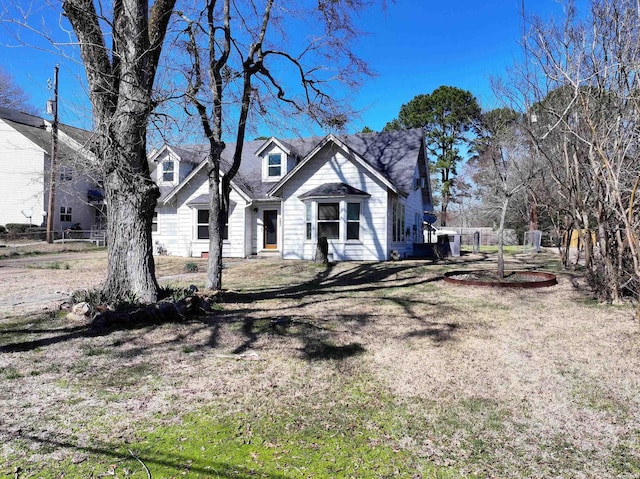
34, 129
392, 154
329, 190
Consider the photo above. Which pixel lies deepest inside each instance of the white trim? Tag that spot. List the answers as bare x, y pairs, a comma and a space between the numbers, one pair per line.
191, 175
351, 155
268, 142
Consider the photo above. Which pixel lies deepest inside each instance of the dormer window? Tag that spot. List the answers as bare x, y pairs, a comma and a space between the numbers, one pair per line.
274, 165
168, 171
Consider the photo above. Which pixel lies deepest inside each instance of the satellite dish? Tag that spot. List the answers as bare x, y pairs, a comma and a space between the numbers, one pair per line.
430, 218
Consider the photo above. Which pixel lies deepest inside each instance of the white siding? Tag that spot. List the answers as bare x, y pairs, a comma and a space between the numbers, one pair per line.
24, 184
21, 178
331, 166
177, 230
165, 237
413, 217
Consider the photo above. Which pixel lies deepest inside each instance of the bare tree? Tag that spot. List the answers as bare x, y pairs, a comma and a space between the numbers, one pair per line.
12, 96
242, 56
592, 124
504, 164
120, 79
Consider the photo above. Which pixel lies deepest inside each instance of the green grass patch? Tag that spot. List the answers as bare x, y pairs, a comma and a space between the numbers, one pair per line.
53, 265
9, 373
353, 432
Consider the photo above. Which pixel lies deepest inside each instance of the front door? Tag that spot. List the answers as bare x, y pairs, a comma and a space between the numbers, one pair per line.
270, 229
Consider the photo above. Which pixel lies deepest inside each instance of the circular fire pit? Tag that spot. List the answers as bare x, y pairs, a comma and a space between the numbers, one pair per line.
512, 279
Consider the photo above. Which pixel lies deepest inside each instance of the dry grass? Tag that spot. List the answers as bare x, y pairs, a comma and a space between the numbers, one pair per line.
500, 383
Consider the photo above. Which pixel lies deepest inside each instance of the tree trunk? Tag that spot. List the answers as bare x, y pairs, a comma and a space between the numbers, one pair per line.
216, 228
587, 241
130, 204
503, 215
322, 250
120, 81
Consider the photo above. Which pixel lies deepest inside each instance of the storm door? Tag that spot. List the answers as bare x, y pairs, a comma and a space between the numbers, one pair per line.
270, 229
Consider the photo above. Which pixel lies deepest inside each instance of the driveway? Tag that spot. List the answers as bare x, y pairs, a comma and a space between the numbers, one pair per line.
34, 282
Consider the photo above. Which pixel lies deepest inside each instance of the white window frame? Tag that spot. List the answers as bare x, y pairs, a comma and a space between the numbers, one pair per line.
66, 174
352, 221
308, 224
312, 215
198, 224
163, 171
398, 221
280, 165
336, 220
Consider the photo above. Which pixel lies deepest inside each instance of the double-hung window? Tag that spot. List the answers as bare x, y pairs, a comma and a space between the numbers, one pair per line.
274, 165
397, 222
309, 220
168, 171
202, 225
329, 220
66, 174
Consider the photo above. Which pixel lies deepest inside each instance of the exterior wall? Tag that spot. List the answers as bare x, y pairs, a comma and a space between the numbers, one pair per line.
165, 238
22, 166
331, 166
73, 194
177, 231
24, 185
413, 221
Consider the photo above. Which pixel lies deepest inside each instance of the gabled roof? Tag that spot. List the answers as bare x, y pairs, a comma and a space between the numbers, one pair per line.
198, 154
38, 131
392, 156
284, 146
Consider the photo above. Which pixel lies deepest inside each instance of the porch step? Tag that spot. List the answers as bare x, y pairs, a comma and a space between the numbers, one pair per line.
265, 254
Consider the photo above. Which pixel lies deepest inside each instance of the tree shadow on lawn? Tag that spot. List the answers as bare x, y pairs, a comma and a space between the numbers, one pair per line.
288, 320
325, 287
180, 464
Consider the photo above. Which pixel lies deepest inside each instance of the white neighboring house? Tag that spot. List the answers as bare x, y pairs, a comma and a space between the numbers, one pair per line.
367, 193
25, 166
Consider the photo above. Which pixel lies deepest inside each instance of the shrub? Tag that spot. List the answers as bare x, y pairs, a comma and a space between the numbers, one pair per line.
191, 267
18, 228
3, 229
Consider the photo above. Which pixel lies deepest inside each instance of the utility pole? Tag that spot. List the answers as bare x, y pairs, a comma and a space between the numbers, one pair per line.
52, 108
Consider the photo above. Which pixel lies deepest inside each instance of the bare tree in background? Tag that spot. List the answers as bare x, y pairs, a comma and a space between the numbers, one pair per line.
12, 96
585, 83
504, 166
242, 55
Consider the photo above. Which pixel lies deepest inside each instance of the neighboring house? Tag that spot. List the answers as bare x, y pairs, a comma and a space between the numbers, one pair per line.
366, 193
25, 169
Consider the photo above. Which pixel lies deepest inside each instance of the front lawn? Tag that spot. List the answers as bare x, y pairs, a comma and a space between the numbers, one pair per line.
362, 370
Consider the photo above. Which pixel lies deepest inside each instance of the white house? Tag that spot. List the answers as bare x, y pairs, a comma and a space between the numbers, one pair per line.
367, 193
25, 166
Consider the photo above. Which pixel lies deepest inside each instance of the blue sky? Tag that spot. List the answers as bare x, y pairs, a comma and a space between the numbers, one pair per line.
414, 47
